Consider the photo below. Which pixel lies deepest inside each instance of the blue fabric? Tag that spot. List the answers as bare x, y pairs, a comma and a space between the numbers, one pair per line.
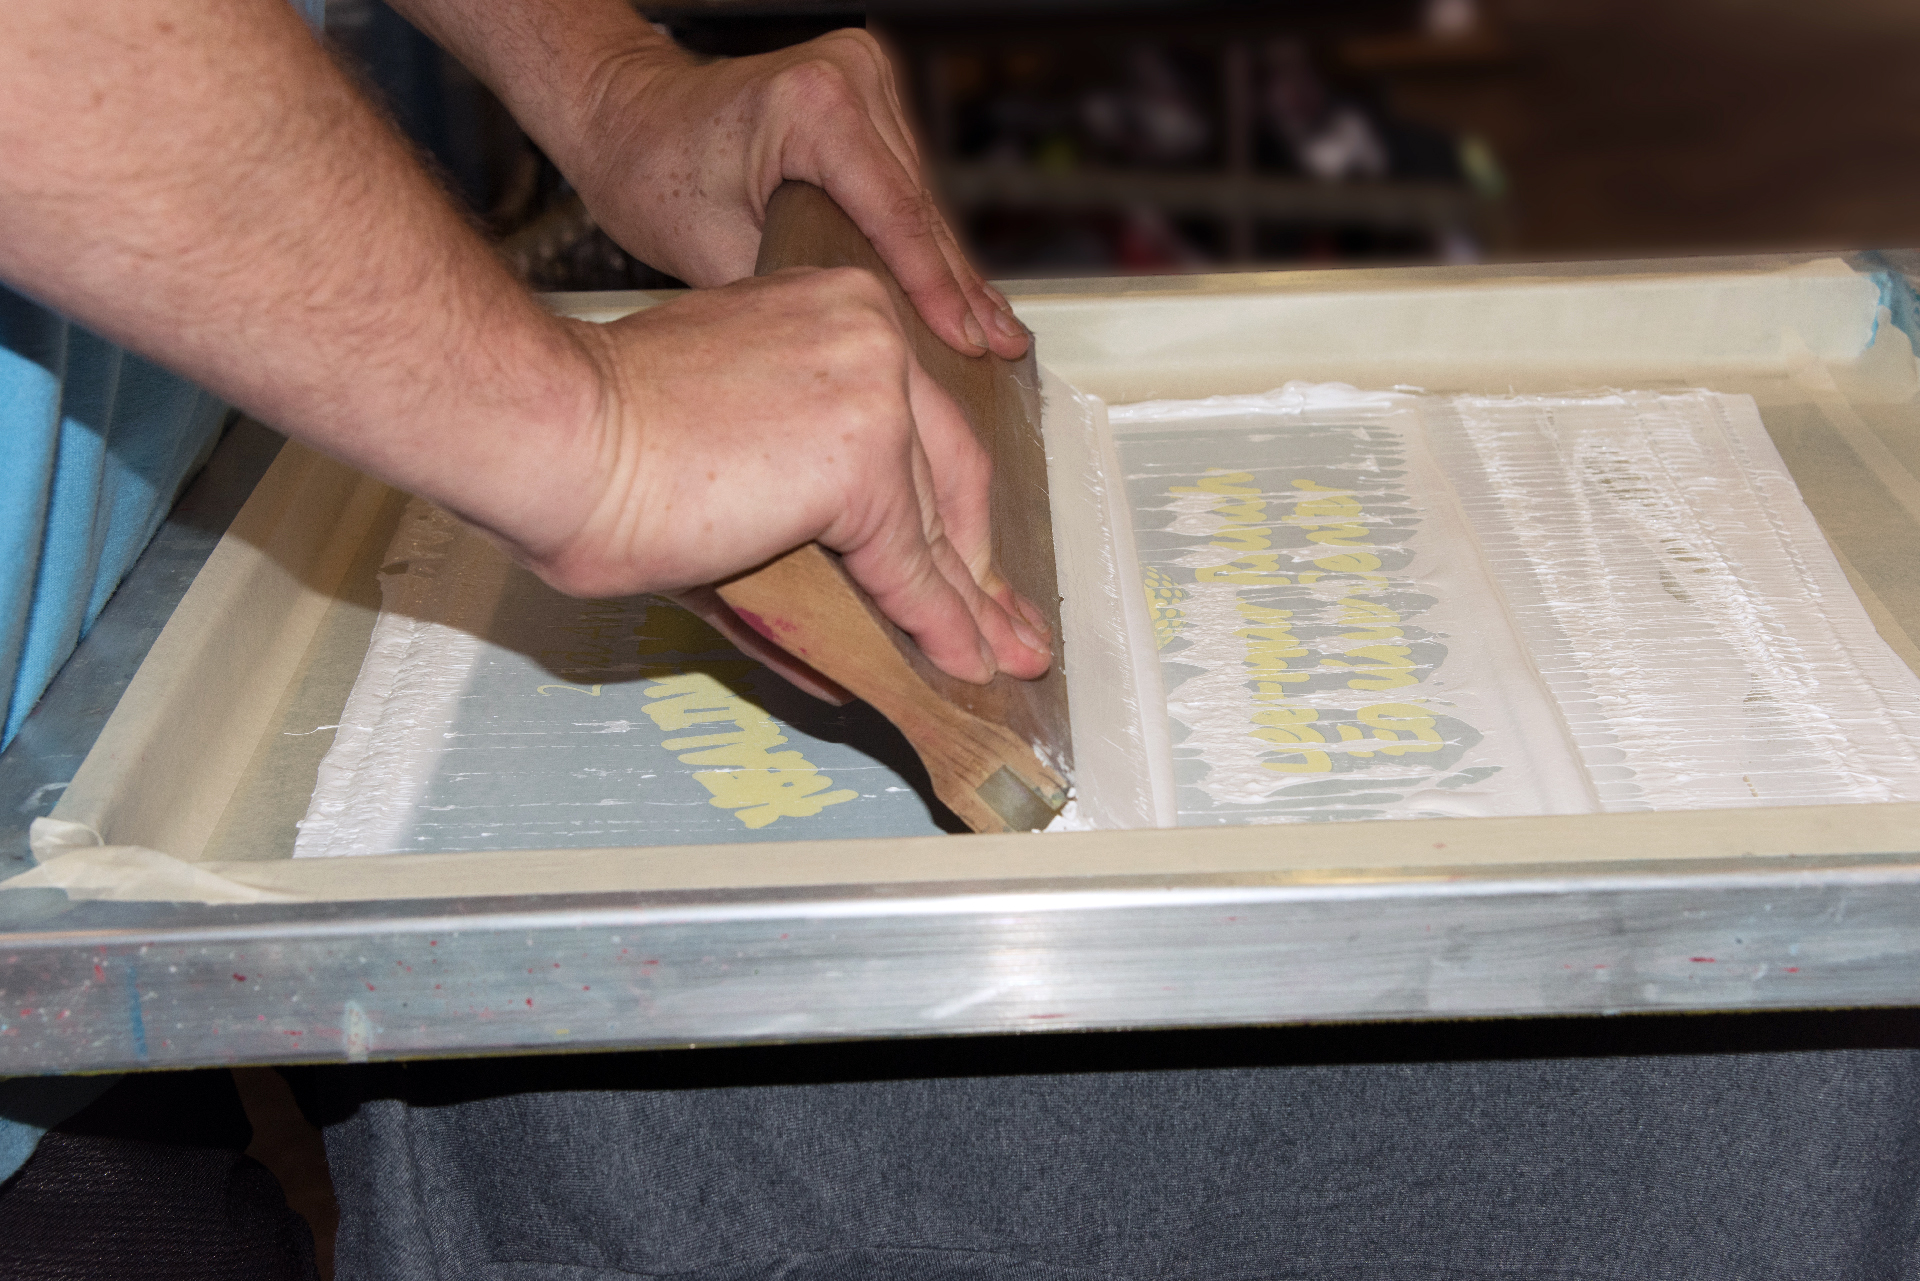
97, 443
32, 1105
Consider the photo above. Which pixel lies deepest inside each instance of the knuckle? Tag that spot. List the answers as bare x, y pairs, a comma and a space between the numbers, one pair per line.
879, 355
914, 213
814, 85
853, 35
858, 47
854, 285
856, 316
865, 341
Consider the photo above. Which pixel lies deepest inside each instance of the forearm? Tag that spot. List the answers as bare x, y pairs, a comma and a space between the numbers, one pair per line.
676, 159
551, 62
194, 179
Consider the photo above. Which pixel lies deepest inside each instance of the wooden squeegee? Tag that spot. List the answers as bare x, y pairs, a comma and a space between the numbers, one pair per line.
983, 745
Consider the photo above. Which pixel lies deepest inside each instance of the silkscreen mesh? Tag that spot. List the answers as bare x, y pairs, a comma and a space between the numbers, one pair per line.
1312, 604
1379, 605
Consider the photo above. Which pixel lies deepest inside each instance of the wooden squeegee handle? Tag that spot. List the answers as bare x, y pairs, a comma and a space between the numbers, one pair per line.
805, 602
978, 742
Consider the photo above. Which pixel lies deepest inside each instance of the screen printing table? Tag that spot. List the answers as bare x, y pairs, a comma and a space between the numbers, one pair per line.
1584, 926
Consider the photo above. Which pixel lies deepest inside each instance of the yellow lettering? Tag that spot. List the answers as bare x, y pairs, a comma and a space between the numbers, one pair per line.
692, 698
1340, 536
745, 746
1390, 669
1393, 720
1163, 601
1357, 609
1258, 568
1290, 725
788, 787
1243, 538
1272, 642
1349, 563
1269, 653
757, 784
1251, 512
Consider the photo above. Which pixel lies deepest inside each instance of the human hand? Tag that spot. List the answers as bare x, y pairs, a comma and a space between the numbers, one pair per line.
738, 423
677, 158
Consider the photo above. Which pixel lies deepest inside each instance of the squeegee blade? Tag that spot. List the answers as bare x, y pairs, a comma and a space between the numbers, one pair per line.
1020, 807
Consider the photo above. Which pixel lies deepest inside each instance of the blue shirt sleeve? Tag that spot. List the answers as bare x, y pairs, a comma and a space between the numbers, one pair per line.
98, 443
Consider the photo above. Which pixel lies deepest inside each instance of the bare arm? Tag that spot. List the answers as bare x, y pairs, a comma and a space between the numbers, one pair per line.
676, 159
193, 179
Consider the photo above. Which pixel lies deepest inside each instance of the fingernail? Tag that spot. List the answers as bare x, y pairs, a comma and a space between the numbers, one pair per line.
986, 658
1031, 639
971, 328
1035, 619
1004, 320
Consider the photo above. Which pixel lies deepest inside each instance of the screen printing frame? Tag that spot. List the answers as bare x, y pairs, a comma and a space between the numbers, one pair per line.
96, 984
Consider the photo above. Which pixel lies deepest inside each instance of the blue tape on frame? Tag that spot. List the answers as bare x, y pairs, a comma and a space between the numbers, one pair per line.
1898, 296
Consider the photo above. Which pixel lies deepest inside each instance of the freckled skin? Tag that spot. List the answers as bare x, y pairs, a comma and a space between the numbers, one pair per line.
221, 199
726, 427
636, 124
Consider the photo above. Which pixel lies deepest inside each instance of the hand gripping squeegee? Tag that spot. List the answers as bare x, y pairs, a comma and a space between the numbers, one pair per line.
982, 744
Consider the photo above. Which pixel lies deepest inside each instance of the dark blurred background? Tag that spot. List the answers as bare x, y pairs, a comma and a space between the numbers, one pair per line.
1069, 137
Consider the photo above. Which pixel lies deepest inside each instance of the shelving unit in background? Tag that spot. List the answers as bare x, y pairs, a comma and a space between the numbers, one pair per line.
1149, 137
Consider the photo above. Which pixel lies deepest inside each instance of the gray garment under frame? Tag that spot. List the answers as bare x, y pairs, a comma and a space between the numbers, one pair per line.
1783, 1164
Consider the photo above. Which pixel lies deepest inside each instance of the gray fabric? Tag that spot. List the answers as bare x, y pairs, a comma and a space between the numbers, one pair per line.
32, 1105
151, 1181
1752, 1165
